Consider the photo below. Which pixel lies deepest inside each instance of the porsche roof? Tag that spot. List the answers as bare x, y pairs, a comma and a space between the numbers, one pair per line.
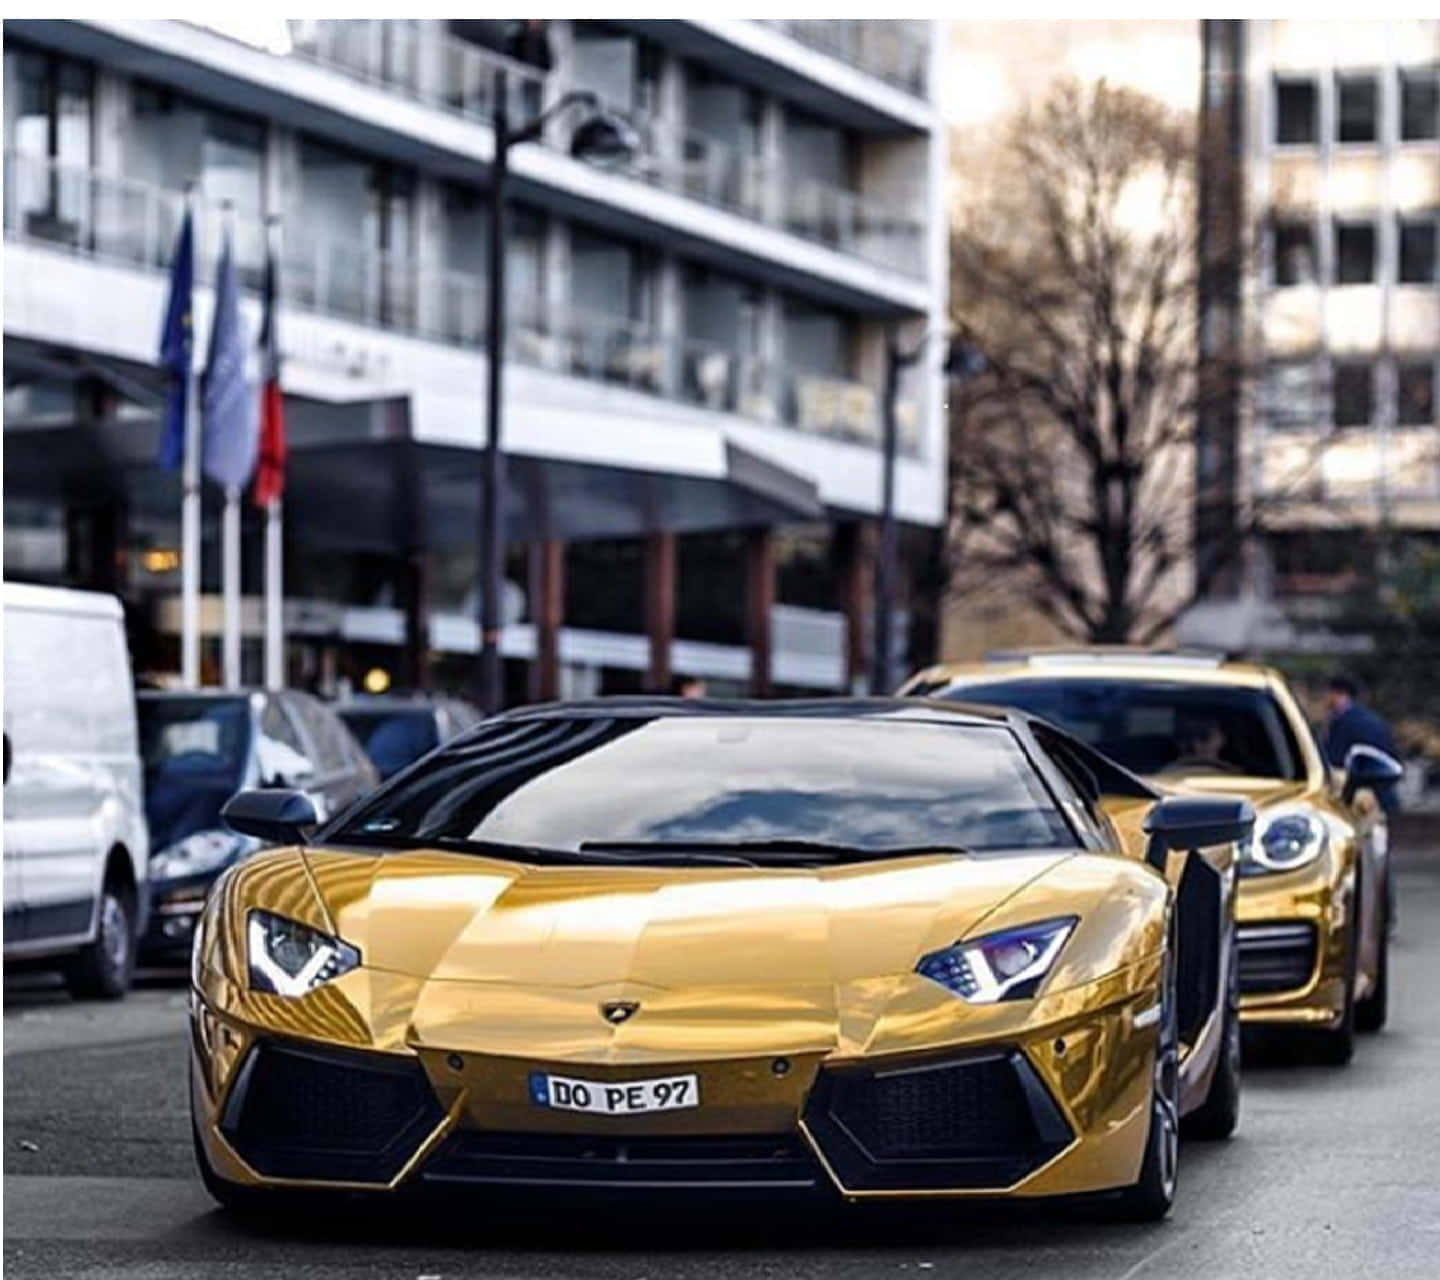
1117, 663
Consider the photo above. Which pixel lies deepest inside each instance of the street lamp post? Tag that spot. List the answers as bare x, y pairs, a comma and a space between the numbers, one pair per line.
962, 359
600, 136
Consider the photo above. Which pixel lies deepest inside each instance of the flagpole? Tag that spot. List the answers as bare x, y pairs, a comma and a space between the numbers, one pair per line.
274, 525
230, 537
230, 568
190, 515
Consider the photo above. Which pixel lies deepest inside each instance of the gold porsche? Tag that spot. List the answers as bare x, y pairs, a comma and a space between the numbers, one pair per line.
1315, 880
874, 948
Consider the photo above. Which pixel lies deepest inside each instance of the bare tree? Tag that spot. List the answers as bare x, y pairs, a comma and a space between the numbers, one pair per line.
1074, 276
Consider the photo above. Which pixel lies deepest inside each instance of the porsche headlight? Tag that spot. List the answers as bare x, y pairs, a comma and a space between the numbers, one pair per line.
1000, 966
288, 958
1283, 842
197, 852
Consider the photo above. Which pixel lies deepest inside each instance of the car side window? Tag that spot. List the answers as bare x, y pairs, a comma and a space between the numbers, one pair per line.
276, 725
325, 730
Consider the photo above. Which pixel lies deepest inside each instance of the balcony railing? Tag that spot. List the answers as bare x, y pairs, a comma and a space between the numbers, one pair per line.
450, 74
895, 50
115, 219
428, 66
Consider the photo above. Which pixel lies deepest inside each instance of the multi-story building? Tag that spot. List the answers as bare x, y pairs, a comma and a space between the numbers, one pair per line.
696, 338
1325, 140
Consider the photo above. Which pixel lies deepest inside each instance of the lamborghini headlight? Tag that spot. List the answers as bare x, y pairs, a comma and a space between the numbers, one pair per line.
1000, 966
1284, 841
288, 958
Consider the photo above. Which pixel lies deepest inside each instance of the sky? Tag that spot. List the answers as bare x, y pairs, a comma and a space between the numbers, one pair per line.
994, 66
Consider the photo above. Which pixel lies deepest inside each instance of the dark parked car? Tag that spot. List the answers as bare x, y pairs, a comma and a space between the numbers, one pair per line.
199, 748
397, 731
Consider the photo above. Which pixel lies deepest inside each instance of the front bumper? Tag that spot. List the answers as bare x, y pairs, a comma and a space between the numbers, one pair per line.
1293, 932
1058, 1106
175, 907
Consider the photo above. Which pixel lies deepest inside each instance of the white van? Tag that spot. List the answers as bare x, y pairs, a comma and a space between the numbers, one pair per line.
76, 847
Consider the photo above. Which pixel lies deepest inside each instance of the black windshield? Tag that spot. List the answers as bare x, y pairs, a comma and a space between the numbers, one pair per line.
1151, 726
195, 751
875, 786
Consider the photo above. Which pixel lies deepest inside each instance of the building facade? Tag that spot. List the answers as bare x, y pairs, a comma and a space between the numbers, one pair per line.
696, 338
1324, 141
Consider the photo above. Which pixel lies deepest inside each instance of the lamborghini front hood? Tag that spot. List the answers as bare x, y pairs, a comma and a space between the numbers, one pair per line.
501, 957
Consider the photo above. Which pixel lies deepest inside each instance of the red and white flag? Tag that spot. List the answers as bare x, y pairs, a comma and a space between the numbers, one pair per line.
270, 468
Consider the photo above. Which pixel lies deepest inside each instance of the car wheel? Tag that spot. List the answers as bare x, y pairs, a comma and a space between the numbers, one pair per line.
1217, 1117
1335, 1047
1372, 1012
1150, 1197
103, 969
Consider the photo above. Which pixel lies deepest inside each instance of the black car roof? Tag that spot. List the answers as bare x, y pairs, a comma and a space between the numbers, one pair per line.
898, 709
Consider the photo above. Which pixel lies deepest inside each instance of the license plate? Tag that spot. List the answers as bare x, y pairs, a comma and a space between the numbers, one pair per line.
625, 1098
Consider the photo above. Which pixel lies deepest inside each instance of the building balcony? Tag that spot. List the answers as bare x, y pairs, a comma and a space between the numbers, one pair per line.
115, 220
892, 50
451, 75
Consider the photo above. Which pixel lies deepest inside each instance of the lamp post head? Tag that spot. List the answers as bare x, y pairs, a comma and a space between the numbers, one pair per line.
604, 136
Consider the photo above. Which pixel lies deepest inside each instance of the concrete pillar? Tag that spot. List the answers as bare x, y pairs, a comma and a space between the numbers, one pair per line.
855, 553
670, 321
772, 160
555, 275
414, 599
430, 257
547, 594
759, 606
660, 560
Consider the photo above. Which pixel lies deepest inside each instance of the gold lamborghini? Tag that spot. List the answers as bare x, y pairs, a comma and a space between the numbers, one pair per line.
875, 948
1315, 881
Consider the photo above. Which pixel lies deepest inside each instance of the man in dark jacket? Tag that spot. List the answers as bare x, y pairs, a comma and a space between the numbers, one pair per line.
1350, 725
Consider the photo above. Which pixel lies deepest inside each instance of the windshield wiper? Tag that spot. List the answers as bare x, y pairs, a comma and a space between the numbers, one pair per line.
803, 850
586, 855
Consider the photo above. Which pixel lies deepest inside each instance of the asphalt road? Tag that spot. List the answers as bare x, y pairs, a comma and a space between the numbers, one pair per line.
1334, 1172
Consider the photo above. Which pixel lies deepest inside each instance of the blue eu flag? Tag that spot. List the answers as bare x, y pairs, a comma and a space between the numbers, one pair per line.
175, 346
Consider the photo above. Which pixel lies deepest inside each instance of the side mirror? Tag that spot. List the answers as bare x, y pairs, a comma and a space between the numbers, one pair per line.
273, 815
1195, 822
1369, 768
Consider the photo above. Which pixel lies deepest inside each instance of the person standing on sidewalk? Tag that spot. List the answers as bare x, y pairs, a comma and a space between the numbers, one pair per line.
1351, 725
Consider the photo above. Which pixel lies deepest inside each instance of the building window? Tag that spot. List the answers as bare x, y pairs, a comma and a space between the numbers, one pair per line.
1419, 105
1294, 244
1357, 114
1418, 251
48, 141
1354, 394
354, 247
1295, 112
1415, 393
1354, 253
623, 69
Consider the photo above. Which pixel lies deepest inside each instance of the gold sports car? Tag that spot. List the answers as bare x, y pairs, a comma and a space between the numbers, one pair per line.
1315, 892
879, 948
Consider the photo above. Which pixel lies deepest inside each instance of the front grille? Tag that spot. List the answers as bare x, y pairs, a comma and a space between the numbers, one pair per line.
337, 1115
1276, 957
577, 1160
975, 1122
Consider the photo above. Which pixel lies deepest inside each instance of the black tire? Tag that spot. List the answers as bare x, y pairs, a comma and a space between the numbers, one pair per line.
1372, 1012
1218, 1116
1336, 1046
1151, 1196
102, 970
